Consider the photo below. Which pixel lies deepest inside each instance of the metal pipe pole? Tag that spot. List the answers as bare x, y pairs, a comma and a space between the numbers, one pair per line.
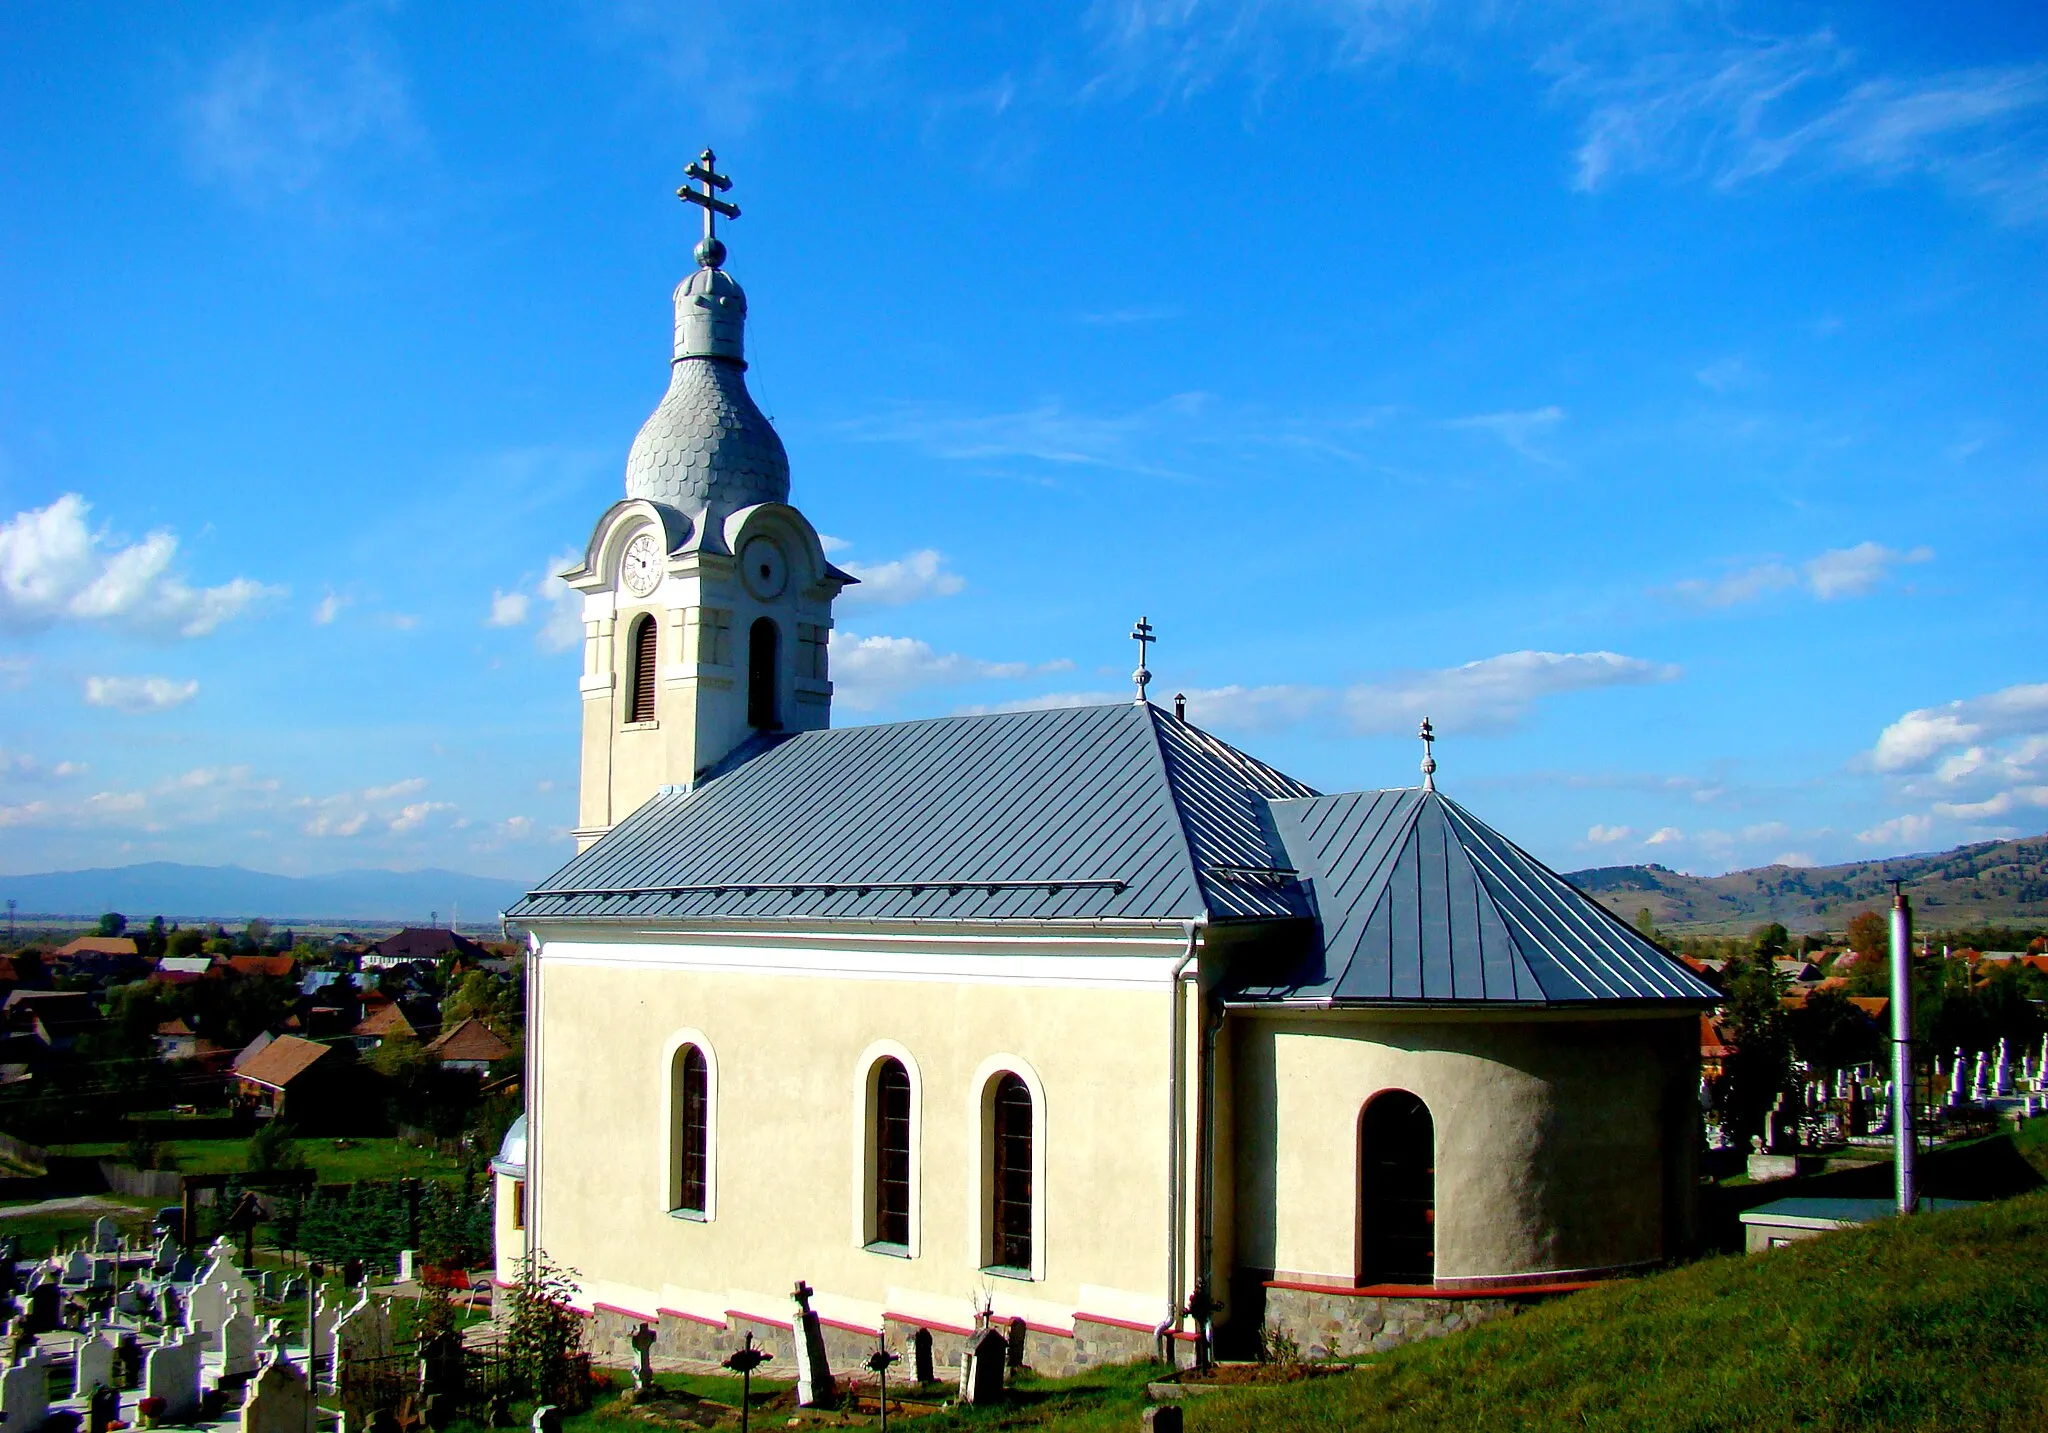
1903, 1092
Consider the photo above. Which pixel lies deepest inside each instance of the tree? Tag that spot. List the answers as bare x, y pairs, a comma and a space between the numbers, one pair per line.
1760, 1069
258, 930
186, 943
113, 923
273, 1150
1828, 1033
1870, 934
1770, 941
544, 1332
1646, 925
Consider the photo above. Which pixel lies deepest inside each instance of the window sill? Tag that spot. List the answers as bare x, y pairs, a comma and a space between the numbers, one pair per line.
695, 1216
639, 726
1006, 1271
892, 1251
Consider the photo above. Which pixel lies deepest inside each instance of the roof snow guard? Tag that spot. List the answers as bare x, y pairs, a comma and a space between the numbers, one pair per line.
1418, 901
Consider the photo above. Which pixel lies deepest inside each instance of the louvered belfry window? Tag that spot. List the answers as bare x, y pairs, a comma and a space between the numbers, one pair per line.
892, 1154
1011, 1175
646, 649
693, 1138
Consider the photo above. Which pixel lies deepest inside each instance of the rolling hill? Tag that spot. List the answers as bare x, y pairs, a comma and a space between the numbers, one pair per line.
190, 893
1990, 883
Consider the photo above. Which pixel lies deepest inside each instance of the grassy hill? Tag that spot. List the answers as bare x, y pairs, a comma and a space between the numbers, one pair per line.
1939, 1322
1991, 883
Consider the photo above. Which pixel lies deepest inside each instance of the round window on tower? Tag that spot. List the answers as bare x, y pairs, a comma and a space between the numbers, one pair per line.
763, 568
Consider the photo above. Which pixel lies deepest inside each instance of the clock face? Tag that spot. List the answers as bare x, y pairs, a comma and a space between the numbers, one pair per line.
763, 568
640, 570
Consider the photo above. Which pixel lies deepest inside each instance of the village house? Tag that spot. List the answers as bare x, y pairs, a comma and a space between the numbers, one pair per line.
468, 1045
1082, 1017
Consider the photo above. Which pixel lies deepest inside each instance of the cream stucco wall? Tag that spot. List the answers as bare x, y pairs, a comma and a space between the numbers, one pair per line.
1563, 1144
792, 1023
509, 1234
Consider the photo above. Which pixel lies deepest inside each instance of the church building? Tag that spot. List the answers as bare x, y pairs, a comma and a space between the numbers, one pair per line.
1082, 1020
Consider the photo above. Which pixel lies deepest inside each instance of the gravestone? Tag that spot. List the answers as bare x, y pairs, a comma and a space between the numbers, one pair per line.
326, 1314
1166, 1418
814, 1388
106, 1234
406, 1260
982, 1367
21, 1340
292, 1290
77, 1267
267, 1285
42, 1308
166, 1255
1016, 1344
547, 1419
921, 1356
128, 1361
184, 1269
25, 1395
171, 1307
280, 1399
238, 1341
95, 1366
221, 1270
105, 1269
102, 1407
364, 1331
643, 1358
208, 1309
172, 1374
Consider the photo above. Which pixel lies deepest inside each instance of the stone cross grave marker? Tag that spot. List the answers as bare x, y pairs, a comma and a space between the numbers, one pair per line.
981, 1368
921, 1356
280, 1399
643, 1341
172, 1374
814, 1388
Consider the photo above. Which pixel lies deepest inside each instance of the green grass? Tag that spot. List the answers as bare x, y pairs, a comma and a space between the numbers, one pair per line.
335, 1161
1939, 1322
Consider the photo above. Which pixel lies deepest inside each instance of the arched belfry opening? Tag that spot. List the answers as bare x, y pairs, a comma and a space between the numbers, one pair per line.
764, 644
645, 652
1396, 1191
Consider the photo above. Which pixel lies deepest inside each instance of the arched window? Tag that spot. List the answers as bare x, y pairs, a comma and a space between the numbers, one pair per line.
640, 689
1010, 1133
692, 1105
891, 1136
1396, 1191
763, 645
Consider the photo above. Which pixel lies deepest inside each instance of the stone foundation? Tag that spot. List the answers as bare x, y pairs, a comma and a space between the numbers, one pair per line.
1340, 1323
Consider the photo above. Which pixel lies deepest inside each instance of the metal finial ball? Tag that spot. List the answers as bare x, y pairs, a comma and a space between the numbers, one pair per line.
710, 251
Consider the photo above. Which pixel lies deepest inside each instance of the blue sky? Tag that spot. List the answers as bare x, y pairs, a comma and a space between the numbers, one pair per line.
1650, 394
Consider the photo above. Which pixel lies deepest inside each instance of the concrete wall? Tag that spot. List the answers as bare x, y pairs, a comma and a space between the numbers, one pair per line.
1563, 1145
791, 1032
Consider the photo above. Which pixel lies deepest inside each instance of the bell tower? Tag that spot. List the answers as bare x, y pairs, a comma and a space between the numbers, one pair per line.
707, 599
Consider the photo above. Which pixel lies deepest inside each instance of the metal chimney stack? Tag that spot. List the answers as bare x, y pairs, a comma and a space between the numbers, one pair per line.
1903, 1145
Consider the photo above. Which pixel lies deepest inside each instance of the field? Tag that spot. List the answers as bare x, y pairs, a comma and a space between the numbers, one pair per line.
336, 1161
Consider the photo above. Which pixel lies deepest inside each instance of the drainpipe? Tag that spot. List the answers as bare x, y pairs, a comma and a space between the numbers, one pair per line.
1903, 1094
1176, 1174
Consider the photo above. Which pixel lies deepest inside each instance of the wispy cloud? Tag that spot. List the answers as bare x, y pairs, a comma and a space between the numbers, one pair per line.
1518, 429
276, 113
869, 672
911, 578
1840, 572
559, 605
1047, 433
139, 694
328, 608
55, 567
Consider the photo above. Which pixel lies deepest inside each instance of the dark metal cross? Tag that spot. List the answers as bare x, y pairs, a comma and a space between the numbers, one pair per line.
1142, 635
1428, 735
710, 252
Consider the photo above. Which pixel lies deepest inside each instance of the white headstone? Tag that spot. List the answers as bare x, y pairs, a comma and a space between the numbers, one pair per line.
405, 1265
77, 1267
172, 1374
106, 1234
166, 1253
25, 1395
208, 1308
238, 1340
364, 1331
280, 1400
95, 1365
220, 1269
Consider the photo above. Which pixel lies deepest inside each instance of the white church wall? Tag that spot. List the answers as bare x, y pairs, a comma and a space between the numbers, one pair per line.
795, 1026
1555, 1138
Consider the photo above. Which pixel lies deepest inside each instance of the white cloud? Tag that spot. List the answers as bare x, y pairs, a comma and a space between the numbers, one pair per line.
1493, 692
1519, 430
1855, 571
416, 814
560, 606
911, 578
1664, 836
1915, 739
1900, 830
1840, 572
1608, 835
139, 694
328, 609
53, 567
1048, 433
276, 113
832, 544
508, 609
868, 672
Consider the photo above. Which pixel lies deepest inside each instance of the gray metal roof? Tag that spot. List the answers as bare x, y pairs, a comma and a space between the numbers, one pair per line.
1109, 812
1418, 900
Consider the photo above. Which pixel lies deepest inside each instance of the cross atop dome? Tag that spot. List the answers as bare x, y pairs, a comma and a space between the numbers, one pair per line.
1428, 735
710, 251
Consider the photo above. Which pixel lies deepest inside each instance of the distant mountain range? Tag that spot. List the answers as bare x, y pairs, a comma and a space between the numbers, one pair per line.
1995, 883
195, 893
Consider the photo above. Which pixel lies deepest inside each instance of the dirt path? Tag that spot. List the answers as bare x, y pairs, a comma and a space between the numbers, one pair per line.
76, 1204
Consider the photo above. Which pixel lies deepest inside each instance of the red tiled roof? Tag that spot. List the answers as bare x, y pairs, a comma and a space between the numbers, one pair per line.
277, 966
96, 945
174, 1027
386, 1020
470, 1040
282, 1061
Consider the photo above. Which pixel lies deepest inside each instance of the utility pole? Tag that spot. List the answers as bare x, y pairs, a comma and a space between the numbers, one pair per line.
1904, 1093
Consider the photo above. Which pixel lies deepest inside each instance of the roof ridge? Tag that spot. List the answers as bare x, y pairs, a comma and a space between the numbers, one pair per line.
1171, 793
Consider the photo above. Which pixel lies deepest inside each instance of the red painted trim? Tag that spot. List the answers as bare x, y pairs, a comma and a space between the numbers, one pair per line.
932, 1324
692, 1318
1127, 1324
849, 1328
731, 1314
1431, 1291
629, 1313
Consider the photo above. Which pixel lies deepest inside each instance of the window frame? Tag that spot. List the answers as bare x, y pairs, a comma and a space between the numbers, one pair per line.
982, 1235
867, 1172
1370, 1270
643, 671
764, 700
672, 1143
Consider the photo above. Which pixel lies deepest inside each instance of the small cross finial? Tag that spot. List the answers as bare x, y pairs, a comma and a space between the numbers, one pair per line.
802, 1293
1142, 635
1428, 735
710, 251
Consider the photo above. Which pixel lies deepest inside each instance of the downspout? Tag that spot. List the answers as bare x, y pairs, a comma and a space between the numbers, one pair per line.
1205, 1167
1176, 1173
